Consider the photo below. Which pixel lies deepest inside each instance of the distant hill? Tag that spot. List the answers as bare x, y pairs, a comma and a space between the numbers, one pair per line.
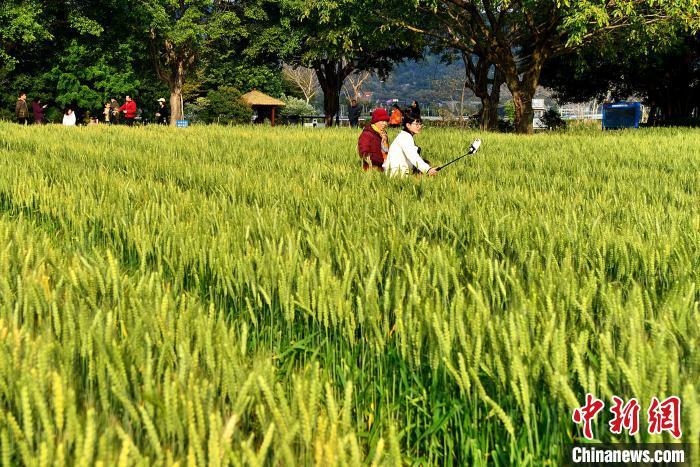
430, 81
433, 83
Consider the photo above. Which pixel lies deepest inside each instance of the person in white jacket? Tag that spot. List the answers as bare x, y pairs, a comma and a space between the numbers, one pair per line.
404, 155
69, 117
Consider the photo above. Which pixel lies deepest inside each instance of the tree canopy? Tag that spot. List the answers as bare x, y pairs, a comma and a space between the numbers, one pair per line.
520, 36
665, 76
82, 52
337, 38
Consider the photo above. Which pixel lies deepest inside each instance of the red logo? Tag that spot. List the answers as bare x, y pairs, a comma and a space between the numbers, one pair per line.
625, 417
661, 416
587, 413
665, 416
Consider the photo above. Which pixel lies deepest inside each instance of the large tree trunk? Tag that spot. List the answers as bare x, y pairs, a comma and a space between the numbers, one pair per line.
331, 75
523, 112
176, 110
494, 99
176, 84
331, 103
172, 72
522, 83
489, 103
489, 115
478, 69
523, 90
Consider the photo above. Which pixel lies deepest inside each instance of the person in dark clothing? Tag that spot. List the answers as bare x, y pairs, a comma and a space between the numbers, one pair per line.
38, 111
373, 144
414, 110
22, 109
354, 114
116, 114
163, 113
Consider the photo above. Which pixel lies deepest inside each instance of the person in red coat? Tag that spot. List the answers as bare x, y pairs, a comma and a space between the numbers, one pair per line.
373, 144
129, 109
38, 111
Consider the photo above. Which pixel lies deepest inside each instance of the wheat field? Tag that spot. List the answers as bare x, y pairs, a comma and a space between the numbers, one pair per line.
248, 296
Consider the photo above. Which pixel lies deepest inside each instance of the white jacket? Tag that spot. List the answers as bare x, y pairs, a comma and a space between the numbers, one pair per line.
403, 156
69, 120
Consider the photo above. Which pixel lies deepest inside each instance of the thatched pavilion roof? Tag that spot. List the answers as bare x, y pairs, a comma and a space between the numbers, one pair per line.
255, 97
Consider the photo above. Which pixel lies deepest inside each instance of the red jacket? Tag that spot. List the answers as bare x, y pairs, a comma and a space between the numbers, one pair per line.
130, 108
369, 147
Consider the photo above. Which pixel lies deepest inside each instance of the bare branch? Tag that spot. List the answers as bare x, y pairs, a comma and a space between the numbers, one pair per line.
304, 78
354, 82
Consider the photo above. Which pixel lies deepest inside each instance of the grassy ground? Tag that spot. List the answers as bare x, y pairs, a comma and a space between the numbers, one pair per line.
249, 296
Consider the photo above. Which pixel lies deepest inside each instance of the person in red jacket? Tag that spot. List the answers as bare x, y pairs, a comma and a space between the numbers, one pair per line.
129, 109
373, 144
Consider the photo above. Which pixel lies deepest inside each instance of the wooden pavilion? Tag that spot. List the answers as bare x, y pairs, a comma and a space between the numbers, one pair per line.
265, 106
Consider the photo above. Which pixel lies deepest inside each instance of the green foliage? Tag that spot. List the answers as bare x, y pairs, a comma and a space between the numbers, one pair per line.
197, 111
195, 296
7, 115
519, 38
250, 60
345, 30
552, 120
665, 77
181, 32
223, 105
296, 107
20, 24
506, 126
85, 78
338, 38
509, 109
226, 106
583, 19
245, 76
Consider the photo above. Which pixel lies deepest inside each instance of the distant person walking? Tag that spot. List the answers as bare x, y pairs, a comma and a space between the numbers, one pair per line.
414, 110
129, 109
69, 118
38, 110
22, 109
163, 113
373, 144
116, 114
354, 114
396, 116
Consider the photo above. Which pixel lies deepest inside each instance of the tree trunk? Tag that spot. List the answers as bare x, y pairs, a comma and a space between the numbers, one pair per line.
489, 103
176, 84
523, 90
331, 103
522, 82
331, 76
176, 111
461, 104
478, 69
523, 112
485, 118
494, 99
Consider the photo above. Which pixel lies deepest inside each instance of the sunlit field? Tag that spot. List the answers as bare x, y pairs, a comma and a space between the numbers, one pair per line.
248, 296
